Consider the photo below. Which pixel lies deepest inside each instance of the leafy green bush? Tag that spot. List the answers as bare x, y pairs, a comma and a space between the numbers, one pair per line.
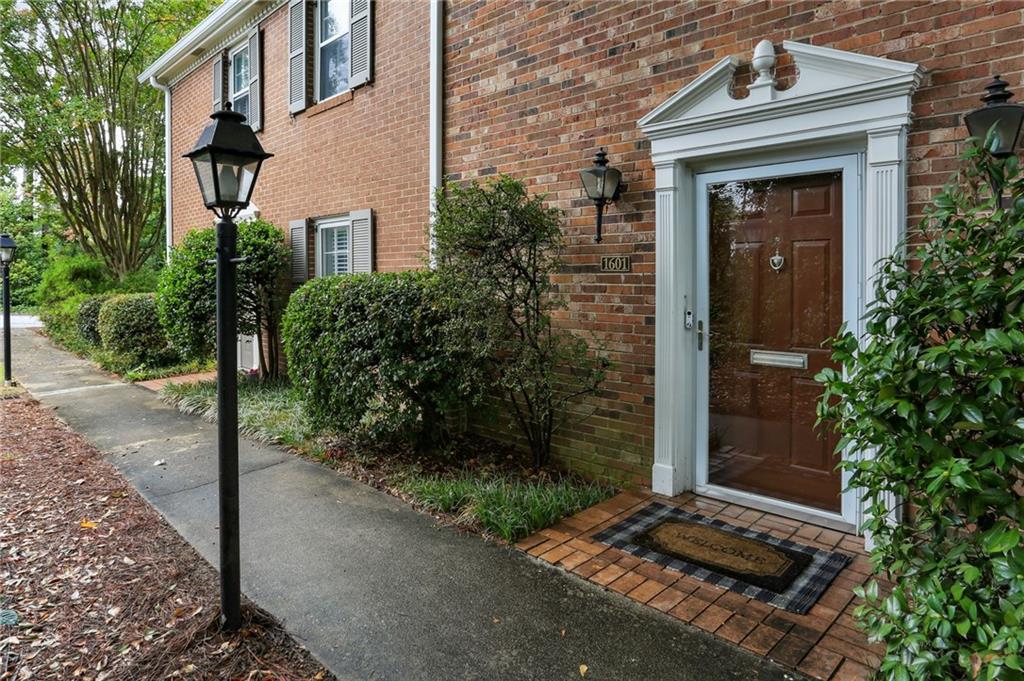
88, 318
129, 326
507, 507
380, 357
187, 291
60, 321
931, 411
65, 277
497, 247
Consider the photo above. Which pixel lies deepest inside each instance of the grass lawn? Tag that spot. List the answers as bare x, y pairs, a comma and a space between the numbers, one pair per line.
482, 486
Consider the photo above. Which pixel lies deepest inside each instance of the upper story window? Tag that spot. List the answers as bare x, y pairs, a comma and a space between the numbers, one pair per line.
238, 79
332, 54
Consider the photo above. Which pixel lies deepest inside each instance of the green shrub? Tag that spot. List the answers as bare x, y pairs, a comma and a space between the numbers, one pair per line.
88, 318
130, 327
60, 321
187, 291
68, 276
144, 280
498, 247
931, 410
380, 357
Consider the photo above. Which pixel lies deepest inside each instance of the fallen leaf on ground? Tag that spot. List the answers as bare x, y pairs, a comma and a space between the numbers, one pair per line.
583, 669
87, 524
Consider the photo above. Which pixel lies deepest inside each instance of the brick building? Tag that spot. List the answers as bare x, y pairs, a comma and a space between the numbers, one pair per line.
772, 151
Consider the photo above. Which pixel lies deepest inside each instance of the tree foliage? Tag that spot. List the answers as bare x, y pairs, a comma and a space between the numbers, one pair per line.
73, 112
930, 406
499, 247
187, 293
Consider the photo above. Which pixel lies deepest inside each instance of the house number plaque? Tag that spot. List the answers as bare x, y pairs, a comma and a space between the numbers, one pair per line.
615, 263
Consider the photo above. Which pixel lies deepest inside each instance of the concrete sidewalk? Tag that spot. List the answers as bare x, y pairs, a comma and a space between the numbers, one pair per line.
374, 589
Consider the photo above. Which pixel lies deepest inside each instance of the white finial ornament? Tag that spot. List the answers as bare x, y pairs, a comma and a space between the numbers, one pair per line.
763, 88
764, 62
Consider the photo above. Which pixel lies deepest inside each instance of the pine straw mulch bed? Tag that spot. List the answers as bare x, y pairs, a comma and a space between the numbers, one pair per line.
102, 586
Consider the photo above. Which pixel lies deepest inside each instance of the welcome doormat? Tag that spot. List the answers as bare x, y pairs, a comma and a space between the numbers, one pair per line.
779, 572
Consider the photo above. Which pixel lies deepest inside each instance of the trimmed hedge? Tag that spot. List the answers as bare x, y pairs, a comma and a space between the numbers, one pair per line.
88, 318
130, 326
61, 323
381, 357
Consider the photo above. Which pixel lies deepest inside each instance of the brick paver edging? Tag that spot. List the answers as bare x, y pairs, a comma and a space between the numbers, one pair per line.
825, 643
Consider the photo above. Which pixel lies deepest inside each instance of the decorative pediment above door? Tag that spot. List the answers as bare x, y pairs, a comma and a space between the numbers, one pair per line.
827, 80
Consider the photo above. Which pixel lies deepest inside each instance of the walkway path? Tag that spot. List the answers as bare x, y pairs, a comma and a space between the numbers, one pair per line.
374, 589
22, 321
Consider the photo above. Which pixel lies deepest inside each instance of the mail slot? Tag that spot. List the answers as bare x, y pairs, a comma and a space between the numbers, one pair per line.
775, 358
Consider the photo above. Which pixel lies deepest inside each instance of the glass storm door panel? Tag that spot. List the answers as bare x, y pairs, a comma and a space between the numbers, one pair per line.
775, 296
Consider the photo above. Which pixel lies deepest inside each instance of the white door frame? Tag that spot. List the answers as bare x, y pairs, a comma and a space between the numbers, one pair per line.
850, 167
842, 103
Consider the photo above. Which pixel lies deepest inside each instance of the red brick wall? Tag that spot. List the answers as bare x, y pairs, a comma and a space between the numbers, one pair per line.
532, 89
363, 150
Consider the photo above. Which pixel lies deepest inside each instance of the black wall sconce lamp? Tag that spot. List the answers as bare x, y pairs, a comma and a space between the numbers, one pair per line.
603, 185
997, 124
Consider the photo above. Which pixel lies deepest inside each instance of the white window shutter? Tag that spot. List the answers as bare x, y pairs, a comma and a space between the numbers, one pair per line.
300, 15
255, 118
362, 240
360, 62
298, 236
220, 80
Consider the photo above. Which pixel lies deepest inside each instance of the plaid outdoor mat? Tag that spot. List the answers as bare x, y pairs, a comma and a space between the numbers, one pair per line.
803, 592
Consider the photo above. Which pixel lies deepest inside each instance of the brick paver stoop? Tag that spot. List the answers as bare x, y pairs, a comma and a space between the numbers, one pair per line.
825, 643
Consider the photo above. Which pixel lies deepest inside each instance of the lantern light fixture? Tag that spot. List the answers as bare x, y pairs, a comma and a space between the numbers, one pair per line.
999, 114
603, 184
227, 160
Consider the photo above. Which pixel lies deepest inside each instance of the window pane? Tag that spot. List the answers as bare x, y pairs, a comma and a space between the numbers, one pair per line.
333, 19
334, 250
241, 104
240, 70
334, 67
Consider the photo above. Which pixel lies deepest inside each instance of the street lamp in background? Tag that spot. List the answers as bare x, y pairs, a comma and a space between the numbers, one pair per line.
7, 249
227, 160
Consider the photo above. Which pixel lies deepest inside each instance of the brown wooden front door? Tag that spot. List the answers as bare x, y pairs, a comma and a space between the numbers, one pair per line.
775, 296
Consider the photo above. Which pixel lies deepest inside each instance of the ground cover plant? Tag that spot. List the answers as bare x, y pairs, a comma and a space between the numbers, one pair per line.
498, 247
931, 412
485, 488
102, 587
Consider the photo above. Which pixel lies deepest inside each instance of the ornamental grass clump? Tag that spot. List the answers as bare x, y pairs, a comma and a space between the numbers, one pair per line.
930, 406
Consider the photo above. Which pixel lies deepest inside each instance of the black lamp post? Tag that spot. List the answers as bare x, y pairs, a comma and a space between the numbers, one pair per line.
603, 185
227, 160
7, 249
1000, 116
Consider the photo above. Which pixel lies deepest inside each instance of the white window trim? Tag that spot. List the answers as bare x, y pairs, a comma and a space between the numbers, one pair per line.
842, 103
244, 45
316, 53
330, 223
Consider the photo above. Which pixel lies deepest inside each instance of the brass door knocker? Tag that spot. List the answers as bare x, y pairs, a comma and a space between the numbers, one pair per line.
777, 261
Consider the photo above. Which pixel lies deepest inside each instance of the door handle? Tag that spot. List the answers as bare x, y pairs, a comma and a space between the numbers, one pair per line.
700, 335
